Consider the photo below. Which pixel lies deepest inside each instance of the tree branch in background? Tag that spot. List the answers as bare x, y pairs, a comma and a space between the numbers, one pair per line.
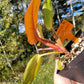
57, 13
7, 59
73, 19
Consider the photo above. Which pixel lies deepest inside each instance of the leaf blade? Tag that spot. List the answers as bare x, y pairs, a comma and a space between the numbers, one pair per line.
30, 21
31, 69
48, 14
39, 31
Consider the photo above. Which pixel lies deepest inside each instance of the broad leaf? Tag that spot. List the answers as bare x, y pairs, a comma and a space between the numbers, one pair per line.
48, 14
30, 21
31, 69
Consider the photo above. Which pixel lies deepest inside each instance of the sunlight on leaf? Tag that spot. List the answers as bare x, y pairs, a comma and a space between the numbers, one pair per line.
31, 69
48, 14
30, 21
39, 31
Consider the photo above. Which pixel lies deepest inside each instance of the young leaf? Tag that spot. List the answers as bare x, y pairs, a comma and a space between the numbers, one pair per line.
31, 69
30, 21
48, 14
60, 65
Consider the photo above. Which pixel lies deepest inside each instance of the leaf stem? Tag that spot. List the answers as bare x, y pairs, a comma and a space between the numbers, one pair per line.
49, 53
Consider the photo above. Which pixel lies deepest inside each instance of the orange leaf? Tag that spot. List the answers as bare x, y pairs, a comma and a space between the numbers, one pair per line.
30, 21
31, 27
64, 32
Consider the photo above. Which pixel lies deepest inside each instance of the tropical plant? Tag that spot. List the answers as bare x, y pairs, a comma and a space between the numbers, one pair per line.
34, 35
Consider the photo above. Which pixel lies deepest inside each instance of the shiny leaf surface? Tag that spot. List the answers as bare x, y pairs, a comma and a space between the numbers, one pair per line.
31, 69
30, 21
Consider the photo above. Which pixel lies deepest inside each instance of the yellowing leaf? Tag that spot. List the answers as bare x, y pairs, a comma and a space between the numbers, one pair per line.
30, 21
64, 32
48, 14
31, 69
39, 31
60, 65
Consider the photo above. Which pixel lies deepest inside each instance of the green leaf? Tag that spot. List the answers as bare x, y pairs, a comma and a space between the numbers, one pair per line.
31, 69
48, 14
60, 65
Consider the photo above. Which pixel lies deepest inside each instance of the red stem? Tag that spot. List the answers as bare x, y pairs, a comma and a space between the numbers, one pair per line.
41, 49
47, 42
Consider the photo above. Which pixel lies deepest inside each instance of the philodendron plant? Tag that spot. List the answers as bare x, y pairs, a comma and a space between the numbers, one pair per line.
34, 35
